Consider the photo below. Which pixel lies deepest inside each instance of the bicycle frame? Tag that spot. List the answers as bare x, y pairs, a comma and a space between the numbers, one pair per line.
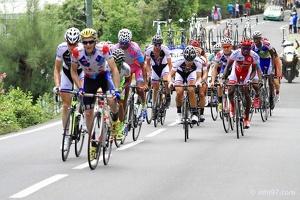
158, 28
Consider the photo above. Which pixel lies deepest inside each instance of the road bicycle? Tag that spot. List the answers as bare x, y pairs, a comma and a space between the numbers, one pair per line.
158, 28
186, 116
247, 30
133, 119
73, 126
160, 109
100, 138
182, 38
170, 34
149, 102
213, 103
239, 107
227, 120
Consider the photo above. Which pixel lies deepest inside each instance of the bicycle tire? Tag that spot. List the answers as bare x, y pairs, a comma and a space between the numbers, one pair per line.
107, 147
242, 117
263, 105
186, 120
203, 39
210, 40
226, 113
137, 121
156, 109
237, 118
236, 39
149, 106
127, 120
162, 110
69, 124
79, 135
214, 104
96, 127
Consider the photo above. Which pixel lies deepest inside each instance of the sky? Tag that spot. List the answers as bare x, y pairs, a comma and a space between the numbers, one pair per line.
19, 6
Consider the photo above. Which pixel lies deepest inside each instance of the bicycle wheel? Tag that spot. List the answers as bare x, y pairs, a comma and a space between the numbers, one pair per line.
237, 118
162, 110
67, 135
203, 39
149, 106
156, 110
242, 117
137, 120
95, 139
226, 114
78, 135
185, 120
236, 39
263, 107
107, 144
214, 104
210, 40
127, 120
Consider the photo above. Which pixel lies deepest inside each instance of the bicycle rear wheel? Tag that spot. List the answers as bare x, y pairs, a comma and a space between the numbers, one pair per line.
263, 105
79, 135
214, 104
95, 138
162, 110
149, 106
127, 121
67, 135
237, 118
107, 147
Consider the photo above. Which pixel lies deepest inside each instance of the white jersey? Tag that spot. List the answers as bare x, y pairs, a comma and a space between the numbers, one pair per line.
163, 56
94, 64
63, 54
198, 65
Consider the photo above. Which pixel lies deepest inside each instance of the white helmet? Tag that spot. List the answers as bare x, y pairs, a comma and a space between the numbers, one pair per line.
124, 35
72, 35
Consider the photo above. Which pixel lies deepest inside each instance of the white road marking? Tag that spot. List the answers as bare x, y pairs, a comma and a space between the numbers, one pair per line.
129, 145
155, 132
38, 186
172, 124
30, 131
84, 165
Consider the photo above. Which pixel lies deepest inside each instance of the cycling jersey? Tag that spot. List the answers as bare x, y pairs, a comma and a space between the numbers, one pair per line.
242, 65
222, 60
183, 74
264, 54
63, 54
158, 64
133, 57
96, 74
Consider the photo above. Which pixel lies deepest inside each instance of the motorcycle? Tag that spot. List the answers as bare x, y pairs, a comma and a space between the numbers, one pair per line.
290, 63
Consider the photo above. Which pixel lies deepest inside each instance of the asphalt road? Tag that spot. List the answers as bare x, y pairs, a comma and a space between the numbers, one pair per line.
263, 164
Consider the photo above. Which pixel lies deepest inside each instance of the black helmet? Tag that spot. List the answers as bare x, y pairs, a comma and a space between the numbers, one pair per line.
119, 55
157, 39
189, 53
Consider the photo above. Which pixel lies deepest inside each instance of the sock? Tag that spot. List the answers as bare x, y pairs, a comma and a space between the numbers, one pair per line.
178, 109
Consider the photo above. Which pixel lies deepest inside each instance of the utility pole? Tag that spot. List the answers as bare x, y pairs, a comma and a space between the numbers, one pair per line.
89, 13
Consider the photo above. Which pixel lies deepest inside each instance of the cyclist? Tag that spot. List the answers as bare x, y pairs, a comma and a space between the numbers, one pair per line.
278, 70
135, 59
264, 49
158, 57
91, 57
244, 64
64, 80
202, 91
124, 74
187, 68
221, 61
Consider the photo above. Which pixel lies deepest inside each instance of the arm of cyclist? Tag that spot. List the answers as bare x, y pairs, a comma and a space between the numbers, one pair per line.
115, 74
199, 79
214, 74
170, 77
74, 75
57, 66
226, 70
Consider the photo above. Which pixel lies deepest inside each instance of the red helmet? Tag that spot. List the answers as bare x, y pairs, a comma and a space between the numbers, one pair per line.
246, 42
194, 43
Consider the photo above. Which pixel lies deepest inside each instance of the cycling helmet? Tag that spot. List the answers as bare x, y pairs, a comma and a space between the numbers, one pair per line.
72, 35
157, 39
189, 53
194, 43
217, 47
88, 33
124, 35
246, 42
119, 55
226, 41
256, 34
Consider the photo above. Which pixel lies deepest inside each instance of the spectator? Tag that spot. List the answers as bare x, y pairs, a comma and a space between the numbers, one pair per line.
248, 7
215, 15
291, 24
237, 10
295, 18
241, 9
219, 13
230, 10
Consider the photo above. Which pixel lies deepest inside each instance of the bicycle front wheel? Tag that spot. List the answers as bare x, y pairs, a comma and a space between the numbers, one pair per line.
263, 105
137, 120
149, 106
225, 114
95, 138
214, 104
237, 118
186, 120
67, 135
79, 135
127, 121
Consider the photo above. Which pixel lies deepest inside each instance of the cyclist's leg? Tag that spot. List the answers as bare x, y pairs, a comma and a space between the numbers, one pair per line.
191, 80
165, 74
231, 90
202, 94
155, 83
179, 94
137, 70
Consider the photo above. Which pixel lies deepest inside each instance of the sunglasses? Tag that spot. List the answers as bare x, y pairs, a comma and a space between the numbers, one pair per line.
88, 42
75, 44
246, 48
157, 44
226, 46
124, 43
